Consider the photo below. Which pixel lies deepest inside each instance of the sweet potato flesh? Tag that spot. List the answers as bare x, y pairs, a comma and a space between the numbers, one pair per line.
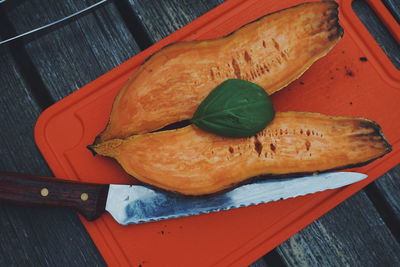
193, 162
271, 52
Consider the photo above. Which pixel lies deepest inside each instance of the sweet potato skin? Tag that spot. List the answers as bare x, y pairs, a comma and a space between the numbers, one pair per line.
193, 162
271, 52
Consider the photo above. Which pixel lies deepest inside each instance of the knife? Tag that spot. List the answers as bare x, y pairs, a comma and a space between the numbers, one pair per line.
132, 204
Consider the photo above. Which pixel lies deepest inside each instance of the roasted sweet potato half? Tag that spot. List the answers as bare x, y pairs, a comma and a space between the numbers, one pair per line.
193, 162
271, 52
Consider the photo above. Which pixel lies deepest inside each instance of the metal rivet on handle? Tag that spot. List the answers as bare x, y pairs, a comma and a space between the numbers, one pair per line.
44, 192
84, 196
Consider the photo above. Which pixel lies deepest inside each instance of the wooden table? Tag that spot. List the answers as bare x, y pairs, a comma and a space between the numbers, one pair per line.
41, 69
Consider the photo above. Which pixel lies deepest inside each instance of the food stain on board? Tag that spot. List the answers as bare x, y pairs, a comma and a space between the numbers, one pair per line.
163, 232
349, 72
142, 263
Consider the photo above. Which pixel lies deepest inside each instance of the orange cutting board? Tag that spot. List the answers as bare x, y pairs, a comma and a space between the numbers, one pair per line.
338, 84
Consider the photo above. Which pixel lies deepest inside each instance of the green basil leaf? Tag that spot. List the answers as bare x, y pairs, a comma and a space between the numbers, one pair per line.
235, 108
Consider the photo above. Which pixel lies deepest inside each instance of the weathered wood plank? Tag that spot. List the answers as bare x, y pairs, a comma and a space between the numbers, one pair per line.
31, 236
272, 259
161, 18
389, 187
75, 53
352, 234
389, 184
259, 263
19, 112
394, 8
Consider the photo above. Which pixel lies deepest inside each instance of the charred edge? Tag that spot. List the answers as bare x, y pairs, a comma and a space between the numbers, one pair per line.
91, 149
97, 140
333, 11
336, 27
338, 33
333, 24
333, 19
332, 2
377, 131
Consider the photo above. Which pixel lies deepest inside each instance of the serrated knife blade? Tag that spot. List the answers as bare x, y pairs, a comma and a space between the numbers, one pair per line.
133, 204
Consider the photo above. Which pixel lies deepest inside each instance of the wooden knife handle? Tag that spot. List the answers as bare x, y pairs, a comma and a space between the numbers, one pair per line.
88, 199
